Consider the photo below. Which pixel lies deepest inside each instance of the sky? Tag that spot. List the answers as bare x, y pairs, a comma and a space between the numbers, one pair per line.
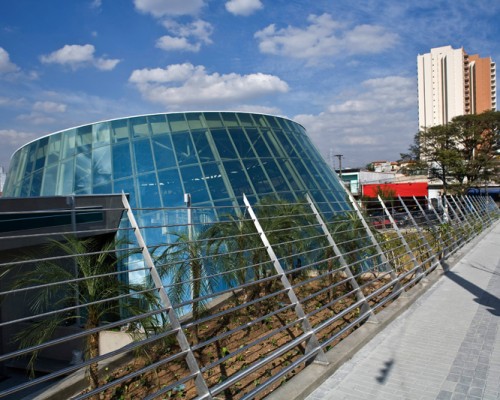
346, 70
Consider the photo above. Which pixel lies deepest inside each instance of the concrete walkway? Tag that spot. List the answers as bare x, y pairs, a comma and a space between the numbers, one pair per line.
445, 346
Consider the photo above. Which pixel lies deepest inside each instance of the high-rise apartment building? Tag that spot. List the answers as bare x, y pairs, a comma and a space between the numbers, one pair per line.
452, 83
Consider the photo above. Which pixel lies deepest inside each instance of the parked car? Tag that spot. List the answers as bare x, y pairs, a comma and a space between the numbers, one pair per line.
381, 222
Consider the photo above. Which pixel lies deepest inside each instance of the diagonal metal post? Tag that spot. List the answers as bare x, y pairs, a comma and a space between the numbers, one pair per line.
312, 344
416, 265
201, 385
461, 211
483, 215
473, 208
420, 232
444, 243
395, 279
456, 222
365, 308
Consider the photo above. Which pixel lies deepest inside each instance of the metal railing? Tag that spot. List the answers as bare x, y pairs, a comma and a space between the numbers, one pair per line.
227, 308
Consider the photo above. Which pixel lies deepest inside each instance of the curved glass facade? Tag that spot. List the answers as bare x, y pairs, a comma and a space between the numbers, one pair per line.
215, 156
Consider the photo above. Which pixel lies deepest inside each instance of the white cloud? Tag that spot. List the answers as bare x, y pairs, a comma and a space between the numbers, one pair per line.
6, 65
185, 84
376, 123
78, 56
105, 64
8, 102
176, 43
188, 37
36, 118
198, 29
162, 8
324, 37
49, 107
243, 7
96, 4
14, 137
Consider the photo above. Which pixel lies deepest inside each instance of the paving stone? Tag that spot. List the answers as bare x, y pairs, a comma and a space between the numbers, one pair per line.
445, 346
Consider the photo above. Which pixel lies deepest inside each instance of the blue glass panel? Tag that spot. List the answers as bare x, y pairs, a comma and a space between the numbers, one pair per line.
312, 166
164, 152
127, 186
213, 120
54, 149
171, 188
215, 182
257, 177
305, 175
177, 122
17, 172
194, 183
103, 189
258, 143
83, 174
229, 119
241, 142
195, 121
275, 175
289, 150
26, 185
202, 146
139, 127
158, 124
65, 180
245, 119
223, 143
122, 162
272, 122
237, 178
184, 148
49, 181
143, 157
36, 183
148, 190
101, 134
101, 165
30, 157
290, 175
261, 120
272, 143
41, 153
119, 130
69, 146
84, 136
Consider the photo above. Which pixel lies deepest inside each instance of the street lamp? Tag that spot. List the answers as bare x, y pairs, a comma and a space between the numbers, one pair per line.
339, 156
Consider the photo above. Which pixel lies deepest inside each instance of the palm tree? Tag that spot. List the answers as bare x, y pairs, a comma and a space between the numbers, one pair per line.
288, 227
91, 296
188, 272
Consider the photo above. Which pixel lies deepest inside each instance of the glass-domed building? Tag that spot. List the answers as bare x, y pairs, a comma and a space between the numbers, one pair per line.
216, 157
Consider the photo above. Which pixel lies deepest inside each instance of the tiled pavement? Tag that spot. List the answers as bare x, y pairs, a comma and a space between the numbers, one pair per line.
445, 346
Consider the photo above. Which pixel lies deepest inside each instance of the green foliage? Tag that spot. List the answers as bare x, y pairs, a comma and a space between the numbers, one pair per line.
465, 151
185, 266
89, 300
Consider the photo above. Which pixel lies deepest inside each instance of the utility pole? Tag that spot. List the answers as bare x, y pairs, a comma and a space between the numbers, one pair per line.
339, 156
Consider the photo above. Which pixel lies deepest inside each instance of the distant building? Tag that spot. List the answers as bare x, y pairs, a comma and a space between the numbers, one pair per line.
452, 83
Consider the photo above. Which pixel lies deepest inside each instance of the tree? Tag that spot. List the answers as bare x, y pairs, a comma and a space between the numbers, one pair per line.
236, 235
183, 265
463, 152
413, 164
92, 295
